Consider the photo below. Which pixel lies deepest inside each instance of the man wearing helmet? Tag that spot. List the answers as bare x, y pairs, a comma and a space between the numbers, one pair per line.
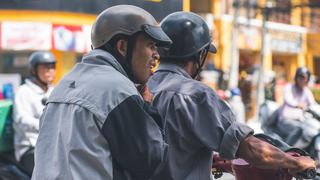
197, 122
297, 97
29, 104
96, 124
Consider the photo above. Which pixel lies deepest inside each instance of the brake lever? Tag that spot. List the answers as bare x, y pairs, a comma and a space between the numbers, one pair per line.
308, 174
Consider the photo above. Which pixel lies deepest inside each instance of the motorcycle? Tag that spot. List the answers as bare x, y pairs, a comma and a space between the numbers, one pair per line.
242, 170
307, 137
9, 167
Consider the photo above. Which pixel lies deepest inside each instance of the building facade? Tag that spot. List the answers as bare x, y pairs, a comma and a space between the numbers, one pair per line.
290, 41
62, 27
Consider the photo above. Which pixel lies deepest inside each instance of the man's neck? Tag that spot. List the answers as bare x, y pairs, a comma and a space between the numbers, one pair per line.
298, 88
42, 85
190, 68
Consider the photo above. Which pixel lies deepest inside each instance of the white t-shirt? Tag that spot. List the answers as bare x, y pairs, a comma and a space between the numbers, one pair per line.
292, 98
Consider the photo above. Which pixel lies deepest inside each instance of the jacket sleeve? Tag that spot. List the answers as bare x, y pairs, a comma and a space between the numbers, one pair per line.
134, 138
211, 123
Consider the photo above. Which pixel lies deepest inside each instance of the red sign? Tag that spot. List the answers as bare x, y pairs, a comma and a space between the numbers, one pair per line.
71, 38
44, 36
25, 36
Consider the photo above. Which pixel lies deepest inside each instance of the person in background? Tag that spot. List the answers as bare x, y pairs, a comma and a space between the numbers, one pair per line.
197, 122
297, 97
96, 124
29, 102
237, 105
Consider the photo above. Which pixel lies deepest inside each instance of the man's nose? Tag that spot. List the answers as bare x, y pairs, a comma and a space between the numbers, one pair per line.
155, 55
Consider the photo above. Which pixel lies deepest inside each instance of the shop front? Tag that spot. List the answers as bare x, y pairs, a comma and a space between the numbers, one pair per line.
249, 43
66, 35
284, 50
62, 27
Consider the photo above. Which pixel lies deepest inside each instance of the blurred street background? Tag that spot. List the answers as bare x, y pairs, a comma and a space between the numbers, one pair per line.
260, 43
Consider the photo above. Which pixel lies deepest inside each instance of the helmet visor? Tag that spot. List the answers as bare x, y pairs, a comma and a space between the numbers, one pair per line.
157, 34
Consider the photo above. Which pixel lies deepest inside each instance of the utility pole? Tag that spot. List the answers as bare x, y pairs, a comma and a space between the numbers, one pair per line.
260, 87
234, 69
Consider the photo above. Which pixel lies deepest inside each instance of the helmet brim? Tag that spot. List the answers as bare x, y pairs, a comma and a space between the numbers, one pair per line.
212, 49
158, 35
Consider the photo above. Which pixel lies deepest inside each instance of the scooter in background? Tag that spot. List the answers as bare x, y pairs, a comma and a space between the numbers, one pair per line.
306, 138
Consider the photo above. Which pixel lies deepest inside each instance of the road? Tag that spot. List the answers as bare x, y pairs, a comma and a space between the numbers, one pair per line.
227, 176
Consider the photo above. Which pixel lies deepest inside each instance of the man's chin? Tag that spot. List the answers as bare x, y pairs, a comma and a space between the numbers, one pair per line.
49, 82
140, 82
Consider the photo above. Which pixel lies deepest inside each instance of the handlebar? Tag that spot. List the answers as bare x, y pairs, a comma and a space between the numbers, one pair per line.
308, 174
314, 111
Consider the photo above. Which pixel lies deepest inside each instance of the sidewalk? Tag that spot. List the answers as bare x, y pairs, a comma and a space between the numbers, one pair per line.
227, 176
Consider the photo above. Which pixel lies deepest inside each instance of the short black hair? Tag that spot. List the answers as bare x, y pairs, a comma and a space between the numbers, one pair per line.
182, 62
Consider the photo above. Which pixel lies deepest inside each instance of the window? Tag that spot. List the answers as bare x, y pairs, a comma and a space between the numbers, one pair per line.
282, 13
15, 62
315, 20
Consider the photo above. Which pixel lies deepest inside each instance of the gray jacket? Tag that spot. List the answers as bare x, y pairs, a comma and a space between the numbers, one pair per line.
97, 126
196, 123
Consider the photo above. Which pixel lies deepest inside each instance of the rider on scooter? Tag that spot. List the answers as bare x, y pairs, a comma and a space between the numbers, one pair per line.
29, 103
297, 97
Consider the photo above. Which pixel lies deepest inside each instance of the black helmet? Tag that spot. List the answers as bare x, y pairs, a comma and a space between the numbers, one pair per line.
302, 71
189, 34
126, 20
40, 57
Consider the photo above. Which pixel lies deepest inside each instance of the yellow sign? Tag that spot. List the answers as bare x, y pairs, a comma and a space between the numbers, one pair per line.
157, 1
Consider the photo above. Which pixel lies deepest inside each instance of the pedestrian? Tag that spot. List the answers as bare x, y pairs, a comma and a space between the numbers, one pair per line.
237, 105
96, 124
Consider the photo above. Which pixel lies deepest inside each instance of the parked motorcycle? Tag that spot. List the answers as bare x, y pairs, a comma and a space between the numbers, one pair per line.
307, 137
242, 170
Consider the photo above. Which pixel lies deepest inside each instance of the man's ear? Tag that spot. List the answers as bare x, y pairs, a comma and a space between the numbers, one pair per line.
122, 47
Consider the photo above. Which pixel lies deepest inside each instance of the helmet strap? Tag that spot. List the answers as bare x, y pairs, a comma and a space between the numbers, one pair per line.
200, 59
128, 60
125, 61
43, 85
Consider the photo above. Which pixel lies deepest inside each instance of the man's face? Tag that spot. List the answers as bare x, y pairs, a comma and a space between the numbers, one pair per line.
302, 81
143, 58
46, 72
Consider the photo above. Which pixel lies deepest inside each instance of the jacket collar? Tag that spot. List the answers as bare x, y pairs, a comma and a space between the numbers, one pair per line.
173, 68
37, 89
101, 57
